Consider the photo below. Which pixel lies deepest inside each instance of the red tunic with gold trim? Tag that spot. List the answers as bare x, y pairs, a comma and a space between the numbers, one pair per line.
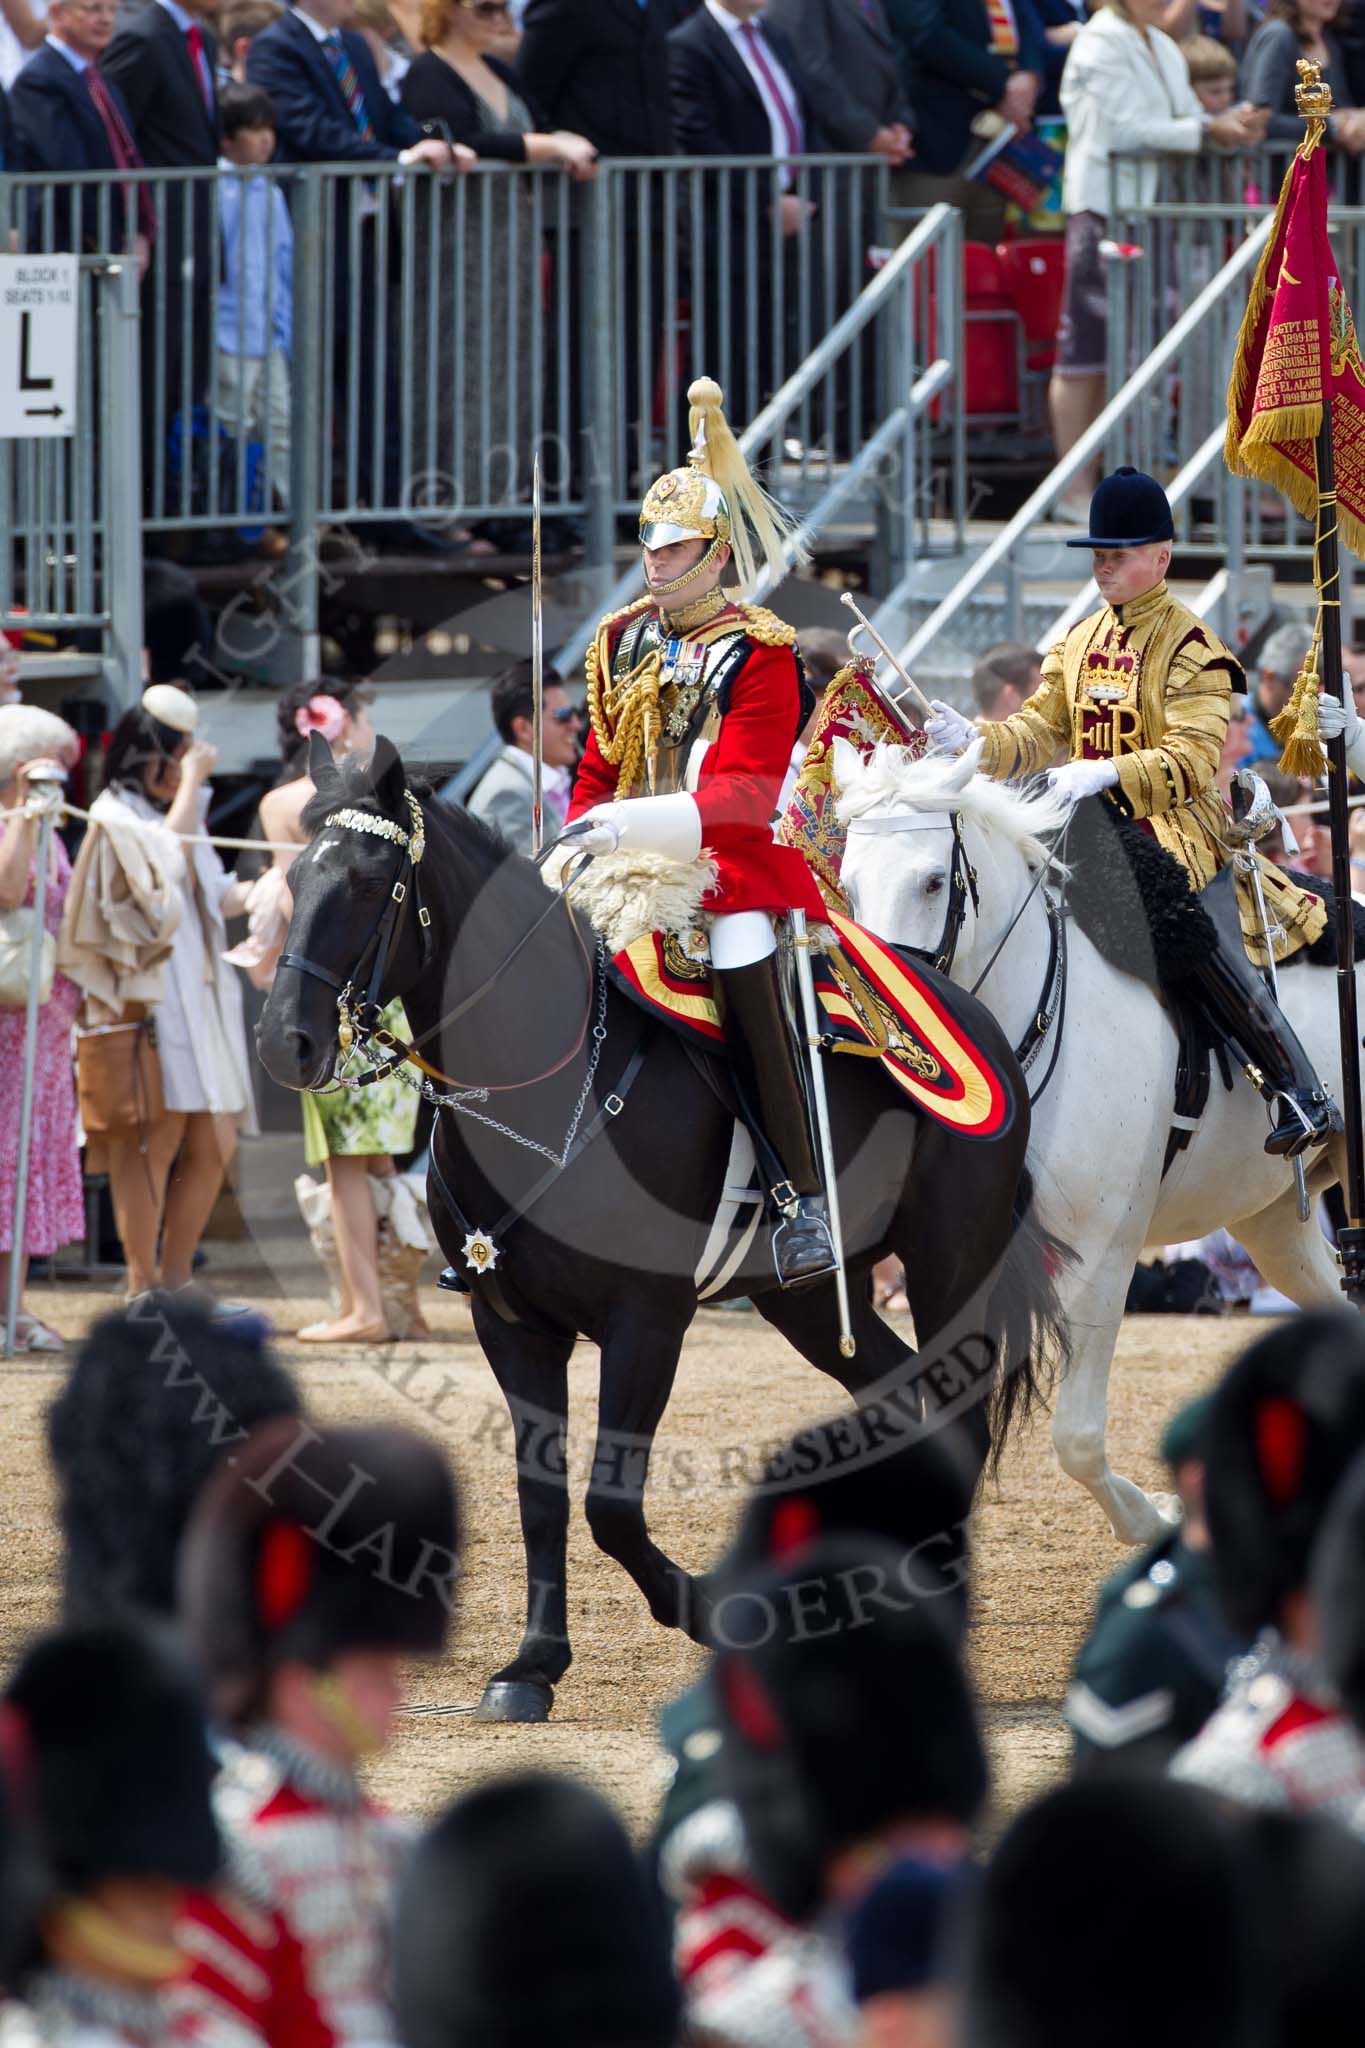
706, 700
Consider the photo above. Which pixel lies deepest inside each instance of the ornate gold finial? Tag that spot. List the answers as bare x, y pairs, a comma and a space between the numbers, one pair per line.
1312, 96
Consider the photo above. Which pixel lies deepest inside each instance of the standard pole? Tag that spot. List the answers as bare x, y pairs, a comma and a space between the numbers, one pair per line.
50, 787
1352, 1240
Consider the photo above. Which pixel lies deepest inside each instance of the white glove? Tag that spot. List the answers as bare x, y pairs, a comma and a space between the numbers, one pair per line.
594, 834
1335, 718
948, 729
1083, 778
669, 825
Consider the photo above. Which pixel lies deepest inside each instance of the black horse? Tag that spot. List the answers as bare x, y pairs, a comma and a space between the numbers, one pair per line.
506, 992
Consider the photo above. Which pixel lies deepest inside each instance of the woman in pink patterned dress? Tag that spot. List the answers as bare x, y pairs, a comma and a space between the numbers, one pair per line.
55, 1213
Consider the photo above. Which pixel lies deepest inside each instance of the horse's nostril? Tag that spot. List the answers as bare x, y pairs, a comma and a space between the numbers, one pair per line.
300, 1042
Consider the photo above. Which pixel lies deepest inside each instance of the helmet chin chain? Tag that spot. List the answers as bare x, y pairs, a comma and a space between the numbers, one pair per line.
700, 568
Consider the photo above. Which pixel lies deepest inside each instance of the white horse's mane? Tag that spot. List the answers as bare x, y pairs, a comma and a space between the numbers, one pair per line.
949, 782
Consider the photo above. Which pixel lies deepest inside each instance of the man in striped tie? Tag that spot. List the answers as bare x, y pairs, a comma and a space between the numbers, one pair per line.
331, 108
68, 118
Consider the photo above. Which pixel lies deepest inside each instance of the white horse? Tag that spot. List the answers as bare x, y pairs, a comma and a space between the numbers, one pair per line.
1101, 1124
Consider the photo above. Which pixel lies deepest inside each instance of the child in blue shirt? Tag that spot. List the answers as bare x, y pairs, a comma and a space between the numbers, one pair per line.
255, 297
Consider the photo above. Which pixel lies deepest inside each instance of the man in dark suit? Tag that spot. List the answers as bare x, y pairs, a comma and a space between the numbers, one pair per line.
331, 108
738, 90
852, 70
162, 64
600, 68
966, 56
66, 117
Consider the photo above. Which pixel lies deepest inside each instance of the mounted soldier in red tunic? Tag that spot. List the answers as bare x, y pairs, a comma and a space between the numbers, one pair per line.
696, 700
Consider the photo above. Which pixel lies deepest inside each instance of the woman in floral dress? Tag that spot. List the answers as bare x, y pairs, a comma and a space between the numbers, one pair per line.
354, 1132
55, 1210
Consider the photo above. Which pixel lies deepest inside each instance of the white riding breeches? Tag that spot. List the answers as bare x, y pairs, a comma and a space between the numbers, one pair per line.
741, 938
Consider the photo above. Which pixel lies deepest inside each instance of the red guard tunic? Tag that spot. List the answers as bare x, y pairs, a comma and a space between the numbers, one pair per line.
706, 700
292, 1950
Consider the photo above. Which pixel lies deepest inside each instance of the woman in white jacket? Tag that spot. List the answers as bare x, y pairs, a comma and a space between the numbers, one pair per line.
1126, 88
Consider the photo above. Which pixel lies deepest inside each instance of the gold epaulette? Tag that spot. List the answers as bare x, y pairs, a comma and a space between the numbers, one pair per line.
765, 627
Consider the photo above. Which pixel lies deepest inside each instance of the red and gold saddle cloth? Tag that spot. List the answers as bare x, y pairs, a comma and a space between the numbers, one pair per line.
877, 1004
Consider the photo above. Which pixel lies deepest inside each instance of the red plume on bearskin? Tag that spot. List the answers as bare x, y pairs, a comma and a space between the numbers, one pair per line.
795, 1524
284, 1572
1281, 1446
749, 1707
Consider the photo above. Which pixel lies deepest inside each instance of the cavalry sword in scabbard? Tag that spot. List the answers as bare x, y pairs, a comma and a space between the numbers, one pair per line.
537, 671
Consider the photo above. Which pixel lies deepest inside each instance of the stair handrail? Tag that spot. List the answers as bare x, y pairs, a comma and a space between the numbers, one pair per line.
1091, 443
941, 225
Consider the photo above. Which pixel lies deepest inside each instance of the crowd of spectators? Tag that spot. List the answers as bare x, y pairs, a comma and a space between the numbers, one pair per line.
830, 1862
917, 87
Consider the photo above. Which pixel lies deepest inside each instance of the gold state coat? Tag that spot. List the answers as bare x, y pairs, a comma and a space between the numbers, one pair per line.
1149, 686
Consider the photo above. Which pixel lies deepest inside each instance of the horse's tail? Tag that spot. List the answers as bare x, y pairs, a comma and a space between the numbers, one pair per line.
1025, 1314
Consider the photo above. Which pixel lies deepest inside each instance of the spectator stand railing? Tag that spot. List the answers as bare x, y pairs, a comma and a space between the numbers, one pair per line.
909, 317
1120, 434
444, 330
73, 562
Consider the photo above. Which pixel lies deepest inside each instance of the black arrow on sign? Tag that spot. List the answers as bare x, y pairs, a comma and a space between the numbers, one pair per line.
42, 412
27, 380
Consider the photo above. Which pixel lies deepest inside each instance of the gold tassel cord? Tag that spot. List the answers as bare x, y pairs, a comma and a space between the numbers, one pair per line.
1296, 727
625, 716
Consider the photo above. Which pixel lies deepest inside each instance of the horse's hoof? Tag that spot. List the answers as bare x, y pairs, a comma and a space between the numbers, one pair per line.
516, 1699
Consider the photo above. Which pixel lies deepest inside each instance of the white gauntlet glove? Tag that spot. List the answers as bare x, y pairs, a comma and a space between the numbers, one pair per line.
669, 825
948, 729
1083, 778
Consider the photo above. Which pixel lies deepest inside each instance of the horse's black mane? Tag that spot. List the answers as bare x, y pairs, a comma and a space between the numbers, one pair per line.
486, 845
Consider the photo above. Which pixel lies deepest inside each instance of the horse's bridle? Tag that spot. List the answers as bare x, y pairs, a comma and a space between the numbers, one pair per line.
961, 882
363, 1018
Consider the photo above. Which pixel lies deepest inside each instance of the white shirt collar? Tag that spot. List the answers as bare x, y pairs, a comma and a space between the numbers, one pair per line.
314, 28
73, 57
730, 23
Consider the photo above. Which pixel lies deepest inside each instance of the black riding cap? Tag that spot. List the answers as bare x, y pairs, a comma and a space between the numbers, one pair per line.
1129, 510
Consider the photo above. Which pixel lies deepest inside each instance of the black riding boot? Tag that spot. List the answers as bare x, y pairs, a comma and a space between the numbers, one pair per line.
765, 1057
1236, 1001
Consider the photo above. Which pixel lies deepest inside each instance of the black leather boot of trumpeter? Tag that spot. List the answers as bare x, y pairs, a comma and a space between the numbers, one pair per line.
770, 1092
1237, 1003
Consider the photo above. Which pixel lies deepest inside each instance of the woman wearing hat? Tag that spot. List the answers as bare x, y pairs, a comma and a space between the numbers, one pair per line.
166, 1176
32, 741
1135, 702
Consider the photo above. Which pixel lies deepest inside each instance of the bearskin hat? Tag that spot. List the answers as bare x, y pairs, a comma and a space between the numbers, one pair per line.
1338, 1583
835, 1478
843, 1707
311, 1542
1286, 1421
109, 1753
156, 1398
1111, 1911
524, 1918
1312, 1876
